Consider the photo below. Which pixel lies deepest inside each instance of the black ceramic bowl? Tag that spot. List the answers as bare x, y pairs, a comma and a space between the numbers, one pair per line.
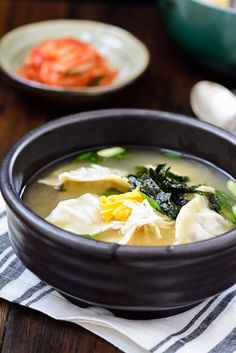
138, 281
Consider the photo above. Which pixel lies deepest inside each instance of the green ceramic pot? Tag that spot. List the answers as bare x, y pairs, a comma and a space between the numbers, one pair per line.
205, 31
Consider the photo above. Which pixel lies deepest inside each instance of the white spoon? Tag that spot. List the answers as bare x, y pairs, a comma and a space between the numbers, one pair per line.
215, 104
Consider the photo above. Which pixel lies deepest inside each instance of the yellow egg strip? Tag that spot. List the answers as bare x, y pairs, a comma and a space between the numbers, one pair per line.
112, 208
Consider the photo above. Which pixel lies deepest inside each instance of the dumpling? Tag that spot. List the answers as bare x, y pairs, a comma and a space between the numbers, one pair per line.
93, 173
81, 216
142, 216
196, 221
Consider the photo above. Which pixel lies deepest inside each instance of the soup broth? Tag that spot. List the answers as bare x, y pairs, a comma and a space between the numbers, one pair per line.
43, 199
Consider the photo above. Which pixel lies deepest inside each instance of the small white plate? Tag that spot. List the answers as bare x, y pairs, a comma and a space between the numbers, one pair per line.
123, 51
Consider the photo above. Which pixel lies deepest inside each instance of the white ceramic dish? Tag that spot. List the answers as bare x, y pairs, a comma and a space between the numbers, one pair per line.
124, 52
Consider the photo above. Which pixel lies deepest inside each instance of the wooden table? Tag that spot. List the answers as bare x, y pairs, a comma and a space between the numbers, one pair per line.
165, 86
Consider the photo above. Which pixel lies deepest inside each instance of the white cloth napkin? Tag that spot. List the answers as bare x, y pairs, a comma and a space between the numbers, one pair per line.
209, 327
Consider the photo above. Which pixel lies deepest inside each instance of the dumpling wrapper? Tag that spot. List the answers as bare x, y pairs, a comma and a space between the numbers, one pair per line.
81, 216
196, 222
93, 173
142, 215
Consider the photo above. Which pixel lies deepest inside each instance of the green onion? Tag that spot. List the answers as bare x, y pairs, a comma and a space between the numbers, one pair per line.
151, 201
232, 187
84, 156
172, 154
228, 214
95, 159
89, 236
111, 152
228, 205
98, 156
90, 156
111, 191
61, 188
234, 210
124, 154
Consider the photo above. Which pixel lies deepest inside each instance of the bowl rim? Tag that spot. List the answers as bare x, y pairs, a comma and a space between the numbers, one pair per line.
58, 235
216, 7
83, 91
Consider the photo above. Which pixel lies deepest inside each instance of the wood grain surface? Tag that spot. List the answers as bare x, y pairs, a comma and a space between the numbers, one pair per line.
165, 86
